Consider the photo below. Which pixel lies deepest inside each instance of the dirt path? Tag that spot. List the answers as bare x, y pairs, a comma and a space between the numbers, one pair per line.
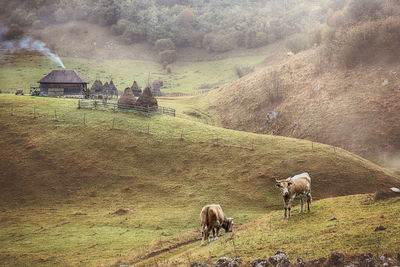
164, 250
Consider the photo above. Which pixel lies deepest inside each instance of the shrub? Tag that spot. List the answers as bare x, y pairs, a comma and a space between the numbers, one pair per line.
168, 56
14, 32
120, 27
359, 10
164, 44
218, 43
297, 43
185, 19
133, 34
243, 70
276, 88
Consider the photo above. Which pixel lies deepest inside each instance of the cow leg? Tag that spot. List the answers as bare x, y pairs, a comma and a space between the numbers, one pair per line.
203, 235
308, 202
290, 205
216, 235
285, 213
301, 205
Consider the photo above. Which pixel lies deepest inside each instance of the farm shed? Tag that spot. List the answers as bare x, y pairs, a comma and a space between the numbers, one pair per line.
66, 83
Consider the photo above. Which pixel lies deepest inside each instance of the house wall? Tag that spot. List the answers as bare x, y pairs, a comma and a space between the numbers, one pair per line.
60, 89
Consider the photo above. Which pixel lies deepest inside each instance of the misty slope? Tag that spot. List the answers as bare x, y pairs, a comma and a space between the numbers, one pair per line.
88, 40
355, 109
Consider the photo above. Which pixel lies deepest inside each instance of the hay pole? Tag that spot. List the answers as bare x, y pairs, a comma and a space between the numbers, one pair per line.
312, 146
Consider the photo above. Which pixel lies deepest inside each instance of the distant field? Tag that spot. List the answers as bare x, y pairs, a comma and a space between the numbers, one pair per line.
62, 178
21, 72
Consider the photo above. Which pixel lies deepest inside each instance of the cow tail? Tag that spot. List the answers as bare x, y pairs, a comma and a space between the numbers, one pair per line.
207, 222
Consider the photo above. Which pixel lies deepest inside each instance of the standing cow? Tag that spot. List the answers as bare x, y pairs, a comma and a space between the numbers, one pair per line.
212, 218
296, 186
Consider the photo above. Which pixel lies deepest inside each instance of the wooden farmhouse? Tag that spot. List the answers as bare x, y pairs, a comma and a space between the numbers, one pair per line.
63, 83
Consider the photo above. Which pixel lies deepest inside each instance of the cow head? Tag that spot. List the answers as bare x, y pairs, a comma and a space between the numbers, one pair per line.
284, 186
228, 225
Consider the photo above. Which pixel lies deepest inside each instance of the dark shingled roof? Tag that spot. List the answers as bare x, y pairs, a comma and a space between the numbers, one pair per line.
62, 76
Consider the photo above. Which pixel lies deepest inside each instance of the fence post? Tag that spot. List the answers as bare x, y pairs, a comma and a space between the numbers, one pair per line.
312, 146
12, 110
55, 114
113, 123
34, 112
148, 128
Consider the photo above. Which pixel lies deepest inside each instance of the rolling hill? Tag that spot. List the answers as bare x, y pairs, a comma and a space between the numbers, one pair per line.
355, 109
76, 190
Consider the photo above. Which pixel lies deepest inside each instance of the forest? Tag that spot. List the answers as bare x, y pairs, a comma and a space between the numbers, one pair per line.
213, 25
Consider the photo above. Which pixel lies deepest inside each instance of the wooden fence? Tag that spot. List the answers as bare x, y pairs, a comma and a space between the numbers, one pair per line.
104, 104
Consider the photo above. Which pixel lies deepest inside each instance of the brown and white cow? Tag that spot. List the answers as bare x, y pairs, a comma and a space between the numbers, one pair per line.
296, 186
212, 218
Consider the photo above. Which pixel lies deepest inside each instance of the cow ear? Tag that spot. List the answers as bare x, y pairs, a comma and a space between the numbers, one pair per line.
278, 185
289, 183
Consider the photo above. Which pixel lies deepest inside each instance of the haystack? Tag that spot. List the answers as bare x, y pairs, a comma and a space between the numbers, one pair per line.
112, 90
136, 89
105, 88
156, 86
127, 100
97, 87
147, 99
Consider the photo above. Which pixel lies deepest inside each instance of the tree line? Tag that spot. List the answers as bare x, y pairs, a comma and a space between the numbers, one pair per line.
214, 25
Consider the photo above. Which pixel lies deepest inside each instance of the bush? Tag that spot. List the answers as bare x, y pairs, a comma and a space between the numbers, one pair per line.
133, 34
120, 27
168, 56
164, 44
297, 43
362, 10
243, 70
366, 42
185, 19
276, 88
14, 32
218, 43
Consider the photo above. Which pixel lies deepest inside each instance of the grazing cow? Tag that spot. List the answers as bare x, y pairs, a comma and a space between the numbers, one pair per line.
296, 186
212, 218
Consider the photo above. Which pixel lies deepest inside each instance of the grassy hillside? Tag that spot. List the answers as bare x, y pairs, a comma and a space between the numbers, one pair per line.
61, 181
355, 109
21, 72
344, 91
309, 236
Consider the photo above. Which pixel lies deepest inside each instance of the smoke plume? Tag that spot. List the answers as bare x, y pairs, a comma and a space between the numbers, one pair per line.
28, 43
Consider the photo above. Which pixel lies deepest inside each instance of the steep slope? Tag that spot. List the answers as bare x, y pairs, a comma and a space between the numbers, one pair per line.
355, 109
97, 189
